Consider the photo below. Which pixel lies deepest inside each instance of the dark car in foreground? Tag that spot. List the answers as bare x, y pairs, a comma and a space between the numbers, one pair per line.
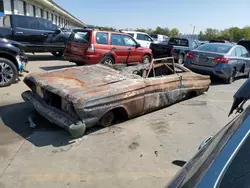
12, 61
223, 161
223, 60
81, 97
37, 34
176, 47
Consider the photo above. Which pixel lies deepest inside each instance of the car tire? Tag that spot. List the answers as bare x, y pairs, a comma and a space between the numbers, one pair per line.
231, 78
79, 64
57, 54
146, 59
108, 119
248, 74
180, 59
8, 72
108, 61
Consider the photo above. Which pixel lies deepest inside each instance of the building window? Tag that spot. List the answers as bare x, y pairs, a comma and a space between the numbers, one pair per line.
56, 19
42, 13
47, 15
34, 10
52, 17
59, 22
24, 8
12, 6
1, 6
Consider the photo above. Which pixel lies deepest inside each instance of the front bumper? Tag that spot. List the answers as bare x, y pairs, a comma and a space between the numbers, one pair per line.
75, 127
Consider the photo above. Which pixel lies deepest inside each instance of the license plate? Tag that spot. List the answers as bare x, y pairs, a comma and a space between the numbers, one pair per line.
75, 49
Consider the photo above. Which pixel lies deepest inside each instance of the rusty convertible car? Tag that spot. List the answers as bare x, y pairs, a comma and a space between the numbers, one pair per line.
81, 97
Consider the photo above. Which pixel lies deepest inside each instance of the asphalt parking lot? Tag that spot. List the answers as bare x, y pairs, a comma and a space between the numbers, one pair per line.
136, 153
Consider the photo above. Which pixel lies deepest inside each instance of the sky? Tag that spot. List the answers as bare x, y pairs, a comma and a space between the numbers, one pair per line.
180, 14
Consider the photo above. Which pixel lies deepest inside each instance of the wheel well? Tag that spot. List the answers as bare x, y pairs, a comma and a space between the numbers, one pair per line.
110, 55
193, 94
120, 114
9, 57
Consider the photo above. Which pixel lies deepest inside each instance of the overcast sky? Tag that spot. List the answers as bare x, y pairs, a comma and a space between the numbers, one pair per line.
181, 14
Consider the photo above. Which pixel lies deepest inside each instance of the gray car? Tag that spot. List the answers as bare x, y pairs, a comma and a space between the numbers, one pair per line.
223, 60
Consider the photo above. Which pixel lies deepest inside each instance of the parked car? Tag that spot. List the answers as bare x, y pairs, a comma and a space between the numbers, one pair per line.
90, 46
225, 61
12, 61
218, 41
222, 160
159, 38
142, 38
245, 43
161, 50
81, 97
178, 47
37, 34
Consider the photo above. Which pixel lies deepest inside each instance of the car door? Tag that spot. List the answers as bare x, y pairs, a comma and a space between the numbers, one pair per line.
27, 31
246, 61
238, 62
121, 51
47, 32
162, 88
144, 40
135, 53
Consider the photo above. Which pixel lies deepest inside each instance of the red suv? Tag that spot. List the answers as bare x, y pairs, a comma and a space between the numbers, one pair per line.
90, 46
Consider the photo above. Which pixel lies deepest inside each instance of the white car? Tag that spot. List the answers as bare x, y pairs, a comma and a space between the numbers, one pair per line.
142, 38
159, 38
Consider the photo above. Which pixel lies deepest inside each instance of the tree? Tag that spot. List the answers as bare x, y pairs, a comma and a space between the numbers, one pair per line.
174, 32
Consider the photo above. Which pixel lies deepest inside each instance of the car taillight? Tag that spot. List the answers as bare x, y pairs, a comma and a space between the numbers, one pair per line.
91, 48
221, 60
190, 55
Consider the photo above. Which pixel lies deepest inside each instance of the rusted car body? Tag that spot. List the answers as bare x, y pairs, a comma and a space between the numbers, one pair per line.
81, 97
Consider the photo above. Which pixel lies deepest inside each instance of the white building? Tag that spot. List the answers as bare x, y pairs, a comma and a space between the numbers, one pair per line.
41, 8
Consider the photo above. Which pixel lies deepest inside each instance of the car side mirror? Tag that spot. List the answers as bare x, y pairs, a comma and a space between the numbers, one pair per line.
57, 31
137, 45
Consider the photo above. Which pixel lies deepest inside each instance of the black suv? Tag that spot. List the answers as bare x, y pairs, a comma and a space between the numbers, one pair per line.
37, 34
245, 43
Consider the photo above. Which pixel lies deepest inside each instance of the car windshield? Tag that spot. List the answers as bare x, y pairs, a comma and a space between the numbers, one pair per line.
80, 36
178, 42
214, 47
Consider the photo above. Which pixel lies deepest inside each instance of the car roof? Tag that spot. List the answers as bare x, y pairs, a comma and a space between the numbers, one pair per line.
98, 30
134, 32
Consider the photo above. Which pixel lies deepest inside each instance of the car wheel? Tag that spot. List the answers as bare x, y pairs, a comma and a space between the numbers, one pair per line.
79, 64
146, 59
231, 78
108, 119
180, 59
8, 72
248, 74
57, 54
108, 61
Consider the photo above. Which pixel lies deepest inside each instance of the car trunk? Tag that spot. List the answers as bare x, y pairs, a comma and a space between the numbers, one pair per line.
79, 42
205, 58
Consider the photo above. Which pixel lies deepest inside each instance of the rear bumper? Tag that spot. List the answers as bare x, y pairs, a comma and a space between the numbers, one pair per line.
220, 70
86, 59
75, 127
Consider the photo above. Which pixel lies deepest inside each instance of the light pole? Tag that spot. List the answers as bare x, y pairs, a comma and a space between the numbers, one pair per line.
193, 30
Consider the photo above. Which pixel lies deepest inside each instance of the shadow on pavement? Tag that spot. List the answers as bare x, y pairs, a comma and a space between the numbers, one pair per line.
179, 163
56, 67
14, 121
44, 57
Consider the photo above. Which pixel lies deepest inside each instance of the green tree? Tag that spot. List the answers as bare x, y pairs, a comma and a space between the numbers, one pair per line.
174, 32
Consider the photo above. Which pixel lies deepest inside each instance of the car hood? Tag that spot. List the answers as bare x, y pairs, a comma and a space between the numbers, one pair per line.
79, 83
13, 43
